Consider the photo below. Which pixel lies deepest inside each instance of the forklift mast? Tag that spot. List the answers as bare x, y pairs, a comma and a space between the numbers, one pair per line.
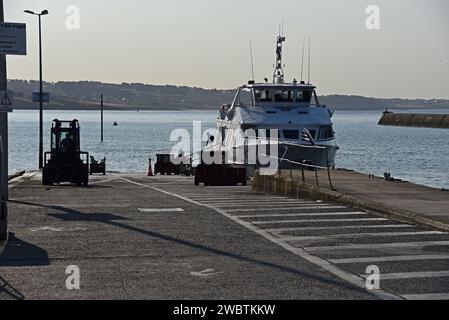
65, 138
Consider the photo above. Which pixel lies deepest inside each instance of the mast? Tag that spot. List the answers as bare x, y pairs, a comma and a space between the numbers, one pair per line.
278, 75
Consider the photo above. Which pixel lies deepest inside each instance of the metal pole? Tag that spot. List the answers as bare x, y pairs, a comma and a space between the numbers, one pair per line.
328, 171
302, 172
41, 132
3, 151
101, 118
314, 168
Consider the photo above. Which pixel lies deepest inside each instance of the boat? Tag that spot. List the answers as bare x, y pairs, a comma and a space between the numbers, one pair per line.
285, 119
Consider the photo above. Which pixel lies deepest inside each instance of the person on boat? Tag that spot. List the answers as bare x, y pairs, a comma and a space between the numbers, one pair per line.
223, 112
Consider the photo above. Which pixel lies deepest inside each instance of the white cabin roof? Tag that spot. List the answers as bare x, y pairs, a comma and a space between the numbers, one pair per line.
281, 117
279, 85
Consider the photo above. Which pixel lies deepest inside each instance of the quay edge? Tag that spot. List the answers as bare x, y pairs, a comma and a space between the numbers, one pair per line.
283, 186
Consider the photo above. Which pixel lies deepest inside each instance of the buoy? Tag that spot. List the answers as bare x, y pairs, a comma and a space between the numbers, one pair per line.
150, 170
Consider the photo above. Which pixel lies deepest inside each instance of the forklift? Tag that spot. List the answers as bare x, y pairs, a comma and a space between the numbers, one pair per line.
65, 162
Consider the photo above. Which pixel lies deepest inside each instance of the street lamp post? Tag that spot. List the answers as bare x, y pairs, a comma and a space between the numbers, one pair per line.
41, 132
3, 152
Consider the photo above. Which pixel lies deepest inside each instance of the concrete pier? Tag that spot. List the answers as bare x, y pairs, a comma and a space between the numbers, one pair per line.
402, 200
438, 121
139, 237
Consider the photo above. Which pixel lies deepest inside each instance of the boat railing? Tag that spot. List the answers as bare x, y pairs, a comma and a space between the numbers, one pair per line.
305, 164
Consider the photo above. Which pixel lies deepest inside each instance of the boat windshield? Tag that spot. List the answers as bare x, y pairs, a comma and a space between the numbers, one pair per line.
283, 95
303, 96
263, 95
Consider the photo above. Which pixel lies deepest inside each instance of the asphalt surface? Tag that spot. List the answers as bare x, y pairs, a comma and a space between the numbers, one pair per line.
136, 237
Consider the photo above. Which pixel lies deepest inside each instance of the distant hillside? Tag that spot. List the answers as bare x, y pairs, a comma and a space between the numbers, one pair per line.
86, 95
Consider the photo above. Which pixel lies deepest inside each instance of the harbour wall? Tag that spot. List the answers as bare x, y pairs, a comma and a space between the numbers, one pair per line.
439, 121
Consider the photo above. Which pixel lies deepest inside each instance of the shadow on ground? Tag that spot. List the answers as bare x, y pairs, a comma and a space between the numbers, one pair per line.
19, 253
7, 291
68, 214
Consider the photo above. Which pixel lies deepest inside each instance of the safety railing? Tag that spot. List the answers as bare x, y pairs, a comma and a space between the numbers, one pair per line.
306, 163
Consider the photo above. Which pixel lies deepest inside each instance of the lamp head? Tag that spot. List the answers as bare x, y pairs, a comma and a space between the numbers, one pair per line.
44, 12
29, 11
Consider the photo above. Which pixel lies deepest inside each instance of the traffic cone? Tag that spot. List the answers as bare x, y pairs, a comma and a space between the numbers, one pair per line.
150, 170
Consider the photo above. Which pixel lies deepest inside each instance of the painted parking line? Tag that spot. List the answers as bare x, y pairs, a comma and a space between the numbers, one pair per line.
316, 220
226, 197
360, 235
253, 202
263, 205
427, 296
315, 214
288, 208
160, 209
369, 226
411, 275
392, 258
241, 198
379, 245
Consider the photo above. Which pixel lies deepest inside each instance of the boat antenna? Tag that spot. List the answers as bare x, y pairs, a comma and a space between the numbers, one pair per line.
278, 75
252, 61
302, 59
308, 80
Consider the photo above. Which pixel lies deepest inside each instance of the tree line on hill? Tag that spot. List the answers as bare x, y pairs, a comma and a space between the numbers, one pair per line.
85, 95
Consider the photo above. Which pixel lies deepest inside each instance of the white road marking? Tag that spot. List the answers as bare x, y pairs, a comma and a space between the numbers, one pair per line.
410, 275
317, 220
315, 214
55, 229
392, 258
227, 197
264, 205
278, 230
309, 207
160, 209
359, 235
46, 229
427, 296
204, 273
326, 265
379, 245
252, 202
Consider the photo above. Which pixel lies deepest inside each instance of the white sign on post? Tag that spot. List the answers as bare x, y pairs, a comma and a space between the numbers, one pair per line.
45, 97
13, 38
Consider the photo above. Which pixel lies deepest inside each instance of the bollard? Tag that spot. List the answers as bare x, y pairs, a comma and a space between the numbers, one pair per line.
150, 170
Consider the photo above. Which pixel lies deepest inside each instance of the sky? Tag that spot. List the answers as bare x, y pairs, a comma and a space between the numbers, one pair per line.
205, 43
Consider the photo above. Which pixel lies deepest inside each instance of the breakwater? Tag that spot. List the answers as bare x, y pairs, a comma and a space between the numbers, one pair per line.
439, 121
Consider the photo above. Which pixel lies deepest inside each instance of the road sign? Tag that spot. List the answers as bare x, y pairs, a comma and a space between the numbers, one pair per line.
45, 96
5, 101
13, 38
